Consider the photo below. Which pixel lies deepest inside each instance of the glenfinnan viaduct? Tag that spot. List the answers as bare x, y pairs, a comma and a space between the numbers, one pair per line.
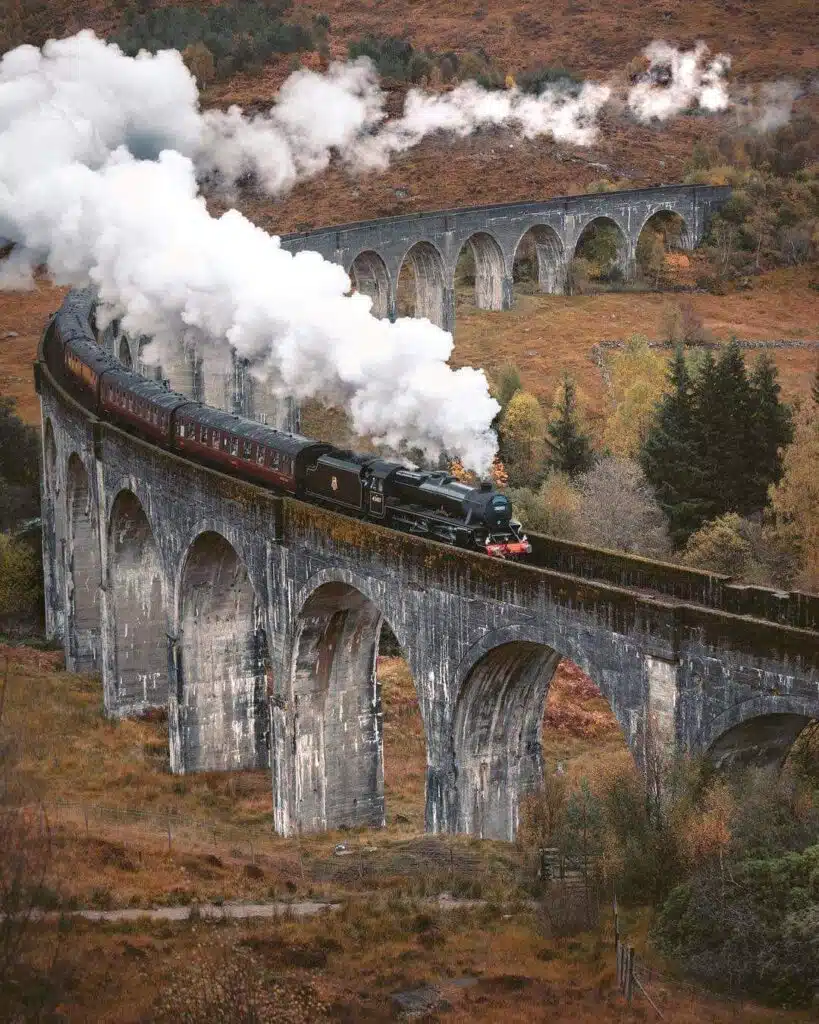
256, 618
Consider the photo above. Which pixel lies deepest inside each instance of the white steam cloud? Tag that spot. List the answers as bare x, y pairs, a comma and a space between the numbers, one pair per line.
676, 80
100, 160
97, 183
769, 106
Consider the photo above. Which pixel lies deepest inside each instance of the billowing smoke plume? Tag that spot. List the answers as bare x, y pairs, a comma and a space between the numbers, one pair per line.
769, 106
676, 80
97, 183
100, 159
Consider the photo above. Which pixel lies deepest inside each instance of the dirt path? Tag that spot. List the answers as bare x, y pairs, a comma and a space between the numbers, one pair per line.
236, 911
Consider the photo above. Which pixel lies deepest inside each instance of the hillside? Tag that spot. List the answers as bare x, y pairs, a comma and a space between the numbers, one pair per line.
766, 40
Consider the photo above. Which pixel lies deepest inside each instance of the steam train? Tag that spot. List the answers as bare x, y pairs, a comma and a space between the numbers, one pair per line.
429, 504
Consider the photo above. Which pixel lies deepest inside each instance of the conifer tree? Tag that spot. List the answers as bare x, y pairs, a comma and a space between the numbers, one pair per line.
671, 455
772, 431
723, 407
570, 448
715, 446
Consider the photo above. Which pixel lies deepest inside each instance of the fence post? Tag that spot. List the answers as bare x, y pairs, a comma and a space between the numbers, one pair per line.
616, 924
629, 972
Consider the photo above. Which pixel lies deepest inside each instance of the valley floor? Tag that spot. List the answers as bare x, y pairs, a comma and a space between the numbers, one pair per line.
110, 802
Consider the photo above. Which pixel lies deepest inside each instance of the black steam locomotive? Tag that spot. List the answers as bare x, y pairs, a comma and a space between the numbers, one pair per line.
433, 505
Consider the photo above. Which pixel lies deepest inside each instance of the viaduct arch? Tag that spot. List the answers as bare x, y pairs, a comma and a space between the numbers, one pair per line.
374, 252
268, 611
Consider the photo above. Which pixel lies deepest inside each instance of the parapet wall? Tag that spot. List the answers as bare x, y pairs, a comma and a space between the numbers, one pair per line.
713, 590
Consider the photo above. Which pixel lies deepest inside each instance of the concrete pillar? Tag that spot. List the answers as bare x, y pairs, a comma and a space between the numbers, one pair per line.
446, 320
83, 574
217, 714
660, 732
496, 736
507, 292
326, 736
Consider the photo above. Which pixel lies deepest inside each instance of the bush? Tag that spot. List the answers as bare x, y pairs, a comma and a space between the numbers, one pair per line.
543, 78
507, 385
749, 551
237, 35
393, 57
522, 443
618, 510
234, 985
753, 932
20, 579
578, 277
772, 217
553, 508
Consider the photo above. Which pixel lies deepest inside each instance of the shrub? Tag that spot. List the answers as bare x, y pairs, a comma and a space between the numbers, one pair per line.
637, 380
20, 581
578, 276
237, 35
543, 78
754, 932
522, 445
234, 985
618, 510
200, 63
750, 551
508, 384
393, 57
553, 508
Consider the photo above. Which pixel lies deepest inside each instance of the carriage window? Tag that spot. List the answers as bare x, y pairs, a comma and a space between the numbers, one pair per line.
214, 440
225, 441
260, 455
246, 450
234, 446
274, 460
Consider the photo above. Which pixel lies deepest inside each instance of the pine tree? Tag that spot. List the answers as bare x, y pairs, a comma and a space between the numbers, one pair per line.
672, 455
724, 409
772, 431
570, 448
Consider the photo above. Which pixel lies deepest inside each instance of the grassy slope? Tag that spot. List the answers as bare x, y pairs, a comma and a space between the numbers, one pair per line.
595, 38
547, 335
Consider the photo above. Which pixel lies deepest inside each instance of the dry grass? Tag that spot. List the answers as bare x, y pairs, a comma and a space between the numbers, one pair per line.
404, 746
24, 315
384, 940
358, 958
547, 335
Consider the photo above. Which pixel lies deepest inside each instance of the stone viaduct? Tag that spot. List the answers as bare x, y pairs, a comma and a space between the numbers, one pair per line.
373, 252
256, 620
